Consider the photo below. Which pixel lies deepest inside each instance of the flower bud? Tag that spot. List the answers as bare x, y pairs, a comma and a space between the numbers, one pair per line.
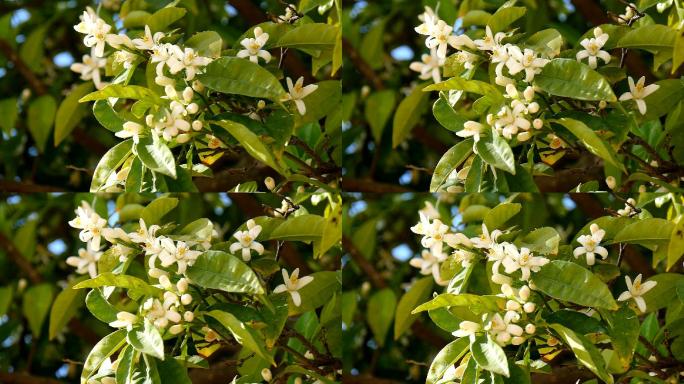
261, 104
602, 104
642, 188
182, 138
197, 86
165, 282
529, 307
298, 380
186, 299
176, 329
365, 90
610, 181
454, 189
197, 125
512, 305
108, 380
524, 136
188, 316
266, 374
21, 285
517, 340
511, 91
537, 123
533, 107
170, 91
530, 329
270, 183
155, 272
187, 94
528, 94
309, 355
524, 293
507, 290
192, 108
503, 337
552, 341
501, 279
182, 285
25, 94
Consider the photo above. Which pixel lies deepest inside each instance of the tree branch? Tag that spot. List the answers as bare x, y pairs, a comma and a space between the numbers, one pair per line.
22, 378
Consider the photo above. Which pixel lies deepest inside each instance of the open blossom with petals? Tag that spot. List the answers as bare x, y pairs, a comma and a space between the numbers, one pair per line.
490, 41
524, 261
430, 211
189, 60
433, 233
486, 239
245, 241
160, 314
144, 235
429, 66
90, 224
130, 129
124, 320
628, 210
636, 290
96, 31
524, 60
85, 262
292, 284
591, 245
428, 264
510, 121
592, 48
467, 59
471, 129
90, 69
502, 330
175, 253
253, 47
441, 36
467, 328
638, 92
147, 41
125, 58
429, 21
297, 92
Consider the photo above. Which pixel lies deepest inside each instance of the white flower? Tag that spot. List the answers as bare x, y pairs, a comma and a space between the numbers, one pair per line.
125, 58
428, 264
510, 121
147, 42
253, 47
90, 224
246, 242
162, 313
429, 66
175, 253
471, 129
172, 122
124, 320
524, 261
85, 262
464, 257
628, 209
467, 59
429, 19
490, 42
130, 129
628, 15
467, 328
636, 290
293, 284
144, 235
526, 60
592, 48
297, 92
433, 233
287, 18
502, 330
187, 59
90, 69
430, 211
486, 239
638, 92
96, 31
591, 245
441, 36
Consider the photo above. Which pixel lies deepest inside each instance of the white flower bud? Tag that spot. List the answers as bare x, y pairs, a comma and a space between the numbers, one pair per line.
528, 94
309, 355
507, 290
511, 91
108, 380
261, 104
182, 138
365, 288
161, 322
266, 374
25, 94
533, 107
197, 125
365, 90
517, 340
188, 316
503, 337
602, 104
523, 136
186, 299
537, 123
532, 285
454, 189
187, 94
529, 307
21, 285
610, 181
642, 188
270, 183
176, 329
530, 329
182, 285
512, 305
490, 119
524, 293
501, 279
164, 81
197, 86
165, 282
155, 272
192, 108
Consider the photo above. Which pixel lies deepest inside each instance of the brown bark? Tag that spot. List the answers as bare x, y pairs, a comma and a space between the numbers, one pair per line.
22, 378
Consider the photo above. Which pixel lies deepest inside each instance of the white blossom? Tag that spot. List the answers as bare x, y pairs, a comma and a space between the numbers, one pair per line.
90, 69
592, 48
124, 320
429, 66
85, 262
246, 241
428, 264
524, 60
160, 314
130, 129
510, 121
292, 284
96, 32
90, 224
486, 239
178, 253
524, 261
253, 47
591, 245
188, 60
147, 42
297, 92
441, 36
628, 209
638, 92
433, 233
636, 290
467, 328
471, 129
501, 330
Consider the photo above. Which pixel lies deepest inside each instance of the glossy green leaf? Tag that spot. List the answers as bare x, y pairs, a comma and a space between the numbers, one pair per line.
417, 294
109, 163
70, 112
504, 17
543, 240
172, 371
446, 115
317, 293
9, 110
407, 114
489, 355
578, 322
372, 47
470, 86
380, 309
156, 155
134, 92
547, 41
475, 303
41, 115
160, 20
251, 143
32, 51
446, 358
585, 352
242, 334
665, 99
299, 228
6, 295
64, 308
499, 215
654, 36
220, 270
36, 304
665, 291
650, 231
107, 117
146, 339
237, 76
624, 333
568, 281
568, 78
451, 159
101, 351
155, 210
207, 44
131, 283
310, 36
675, 249
379, 107
495, 151
98, 305
591, 140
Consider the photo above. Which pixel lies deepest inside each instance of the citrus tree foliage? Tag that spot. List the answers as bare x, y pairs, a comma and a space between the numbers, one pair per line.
522, 291
184, 97
168, 287
526, 103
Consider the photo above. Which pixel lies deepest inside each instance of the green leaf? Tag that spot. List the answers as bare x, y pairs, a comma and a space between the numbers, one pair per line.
665, 291
25, 239
8, 109
495, 151
41, 115
64, 308
380, 309
318, 292
543, 240
568, 78
220, 270
146, 339
417, 294
504, 17
326, 98
372, 47
678, 53
675, 248
172, 371
665, 99
237, 76
379, 107
156, 155
299, 228
576, 321
6, 295
207, 44
585, 351
489, 355
475, 303
32, 51
470, 86
547, 41
591, 141
131, 283
446, 115
160, 20
242, 334
648, 232
107, 117
451, 159
36, 304
70, 112
126, 365
407, 114
109, 163
446, 358
567, 281
310, 36
624, 333
101, 351
135, 92
98, 305
650, 37
499, 215
251, 143
154, 211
